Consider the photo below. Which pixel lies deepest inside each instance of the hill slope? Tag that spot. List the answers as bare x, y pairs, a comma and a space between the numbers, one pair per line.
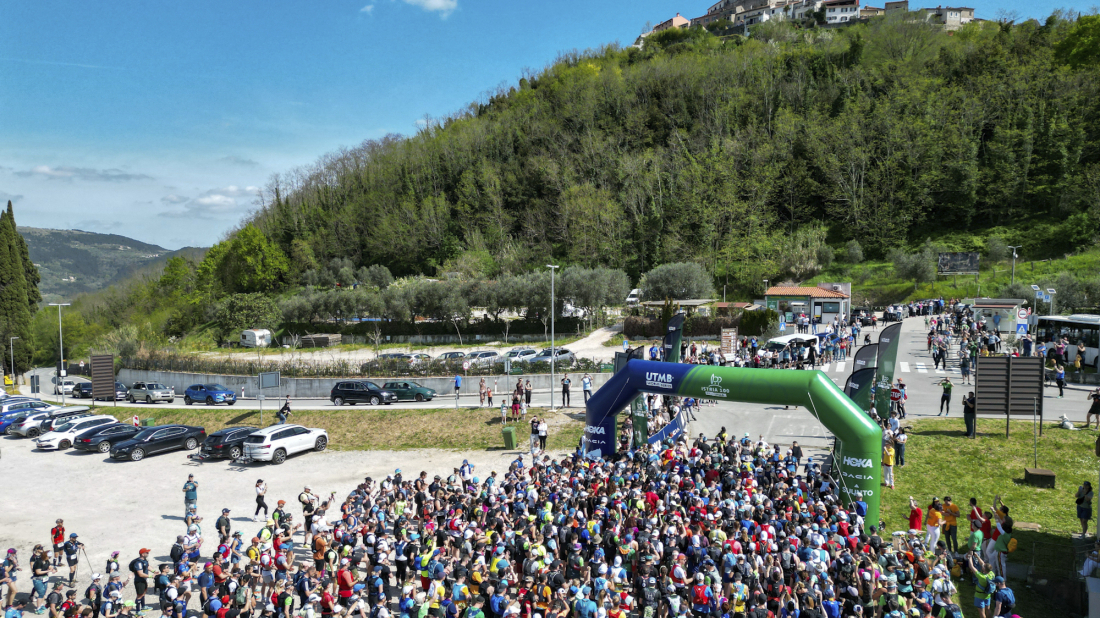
736, 153
74, 261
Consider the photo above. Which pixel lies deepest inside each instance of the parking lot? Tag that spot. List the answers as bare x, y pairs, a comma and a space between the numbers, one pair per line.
123, 506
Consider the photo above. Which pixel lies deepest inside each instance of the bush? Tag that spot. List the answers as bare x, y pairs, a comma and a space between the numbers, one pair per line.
825, 256
995, 249
853, 252
758, 322
636, 327
679, 281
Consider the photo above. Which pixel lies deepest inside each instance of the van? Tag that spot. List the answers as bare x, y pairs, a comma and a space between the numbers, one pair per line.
801, 343
634, 297
256, 338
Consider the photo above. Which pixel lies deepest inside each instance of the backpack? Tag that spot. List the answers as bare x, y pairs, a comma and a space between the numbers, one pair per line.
953, 611
176, 552
241, 595
651, 596
1012, 545
699, 595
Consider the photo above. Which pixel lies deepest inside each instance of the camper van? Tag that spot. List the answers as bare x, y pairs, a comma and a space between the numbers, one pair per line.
256, 338
634, 297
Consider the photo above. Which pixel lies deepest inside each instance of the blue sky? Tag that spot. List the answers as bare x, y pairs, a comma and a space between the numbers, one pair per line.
159, 120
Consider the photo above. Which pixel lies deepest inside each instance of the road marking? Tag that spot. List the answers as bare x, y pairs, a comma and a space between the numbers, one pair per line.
940, 371
825, 367
840, 367
904, 367
921, 368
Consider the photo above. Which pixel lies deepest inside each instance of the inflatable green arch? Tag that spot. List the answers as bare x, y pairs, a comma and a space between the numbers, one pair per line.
859, 440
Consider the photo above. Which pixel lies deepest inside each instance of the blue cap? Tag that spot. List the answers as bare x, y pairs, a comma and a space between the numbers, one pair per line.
998, 580
358, 587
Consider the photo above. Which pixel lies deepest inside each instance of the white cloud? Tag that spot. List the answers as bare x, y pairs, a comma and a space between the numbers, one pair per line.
65, 172
443, 7
226, 202
235, 160
367, 9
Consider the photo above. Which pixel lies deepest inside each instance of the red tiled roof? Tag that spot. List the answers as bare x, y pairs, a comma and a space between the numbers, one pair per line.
812, 292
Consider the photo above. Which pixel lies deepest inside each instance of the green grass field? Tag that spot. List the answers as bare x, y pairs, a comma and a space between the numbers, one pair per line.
940, 462
377, 428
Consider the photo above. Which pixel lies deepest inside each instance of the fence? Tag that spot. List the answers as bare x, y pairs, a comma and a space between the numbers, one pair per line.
343, 368
1055, 569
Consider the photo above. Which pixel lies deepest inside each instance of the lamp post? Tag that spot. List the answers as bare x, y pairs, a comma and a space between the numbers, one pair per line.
60, 351
1014, 261
1052, 293
553, 351
12, 342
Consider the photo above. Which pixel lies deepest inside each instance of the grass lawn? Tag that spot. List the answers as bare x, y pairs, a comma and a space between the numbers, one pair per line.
378, 428
940, 462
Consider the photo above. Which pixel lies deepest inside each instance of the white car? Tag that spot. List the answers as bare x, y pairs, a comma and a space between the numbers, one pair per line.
63, 435
517, 355
66, 386
277, 442
41, 422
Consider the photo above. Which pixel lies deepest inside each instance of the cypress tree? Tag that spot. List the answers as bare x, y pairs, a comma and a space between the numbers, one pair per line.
30, 271
15, 313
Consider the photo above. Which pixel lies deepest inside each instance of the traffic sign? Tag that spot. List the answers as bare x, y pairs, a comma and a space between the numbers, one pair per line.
1039, 294
1021, 329
1046, 298
465, 365
626, 344
895, 394
782, 327
1021, 314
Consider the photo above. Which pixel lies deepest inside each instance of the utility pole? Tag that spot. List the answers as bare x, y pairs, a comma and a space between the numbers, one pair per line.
1014, 261
553, 351
60, 351
13, 361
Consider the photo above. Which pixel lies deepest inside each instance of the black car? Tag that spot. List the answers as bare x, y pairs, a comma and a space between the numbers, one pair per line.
226, 442
360, 391
101, 439
82, 390
158, 439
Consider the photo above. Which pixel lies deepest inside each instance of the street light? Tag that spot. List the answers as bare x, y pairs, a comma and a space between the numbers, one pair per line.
1014, 261
60, 351
553, 351
12, 342
1052, 293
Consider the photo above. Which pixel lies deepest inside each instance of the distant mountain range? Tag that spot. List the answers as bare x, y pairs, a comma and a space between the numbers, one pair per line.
72, 262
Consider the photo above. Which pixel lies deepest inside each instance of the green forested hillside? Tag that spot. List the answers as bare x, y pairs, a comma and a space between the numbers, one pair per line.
739, 154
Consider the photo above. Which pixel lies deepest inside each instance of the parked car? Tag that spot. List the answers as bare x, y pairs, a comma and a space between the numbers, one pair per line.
7, 419
562, 357
82, 390
419, 358
277, 442
64, 434
409, 391
863, 316
451, 359
64, 385
151, 392
227, 442
34, 424
360, 391
634, 297
100, 439
517, 355
482, 357
158, 439
209, 394
26, 403
121, 392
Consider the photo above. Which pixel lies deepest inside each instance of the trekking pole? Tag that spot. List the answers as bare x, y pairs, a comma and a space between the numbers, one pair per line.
91, 572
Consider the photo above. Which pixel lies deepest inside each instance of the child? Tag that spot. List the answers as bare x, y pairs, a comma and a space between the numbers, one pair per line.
503, 413
523, 408
489, 395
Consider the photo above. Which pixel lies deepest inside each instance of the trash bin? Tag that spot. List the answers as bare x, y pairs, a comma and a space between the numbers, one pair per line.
148, 422
509, 437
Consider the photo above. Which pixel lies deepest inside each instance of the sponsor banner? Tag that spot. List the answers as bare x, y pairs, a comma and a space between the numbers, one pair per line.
887, 358
865, 357
673, 334
860, 388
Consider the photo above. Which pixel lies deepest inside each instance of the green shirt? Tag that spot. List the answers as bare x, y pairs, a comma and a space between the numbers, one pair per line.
984, 582
947, 386
976, 540
1002, 543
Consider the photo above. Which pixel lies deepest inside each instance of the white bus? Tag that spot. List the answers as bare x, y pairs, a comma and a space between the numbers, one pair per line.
1075, 328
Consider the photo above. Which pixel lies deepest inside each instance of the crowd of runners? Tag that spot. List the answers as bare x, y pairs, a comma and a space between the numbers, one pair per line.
720, 528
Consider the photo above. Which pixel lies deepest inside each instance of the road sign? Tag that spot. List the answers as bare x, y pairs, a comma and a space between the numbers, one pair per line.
1021, 314
269, 379
1046, 298
1039, 294
895, 394
136, 422
465, 365
626, 344
1021, 329
782, 327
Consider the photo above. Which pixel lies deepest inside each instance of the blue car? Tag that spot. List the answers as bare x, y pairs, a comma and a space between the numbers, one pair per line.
7, 419
209, 394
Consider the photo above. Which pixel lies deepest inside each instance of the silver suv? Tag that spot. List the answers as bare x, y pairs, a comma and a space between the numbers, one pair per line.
150, 392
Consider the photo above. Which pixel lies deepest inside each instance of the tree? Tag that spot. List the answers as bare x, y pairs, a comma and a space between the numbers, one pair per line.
995, 249
1081, 47
678, 281
243, 311
252, 263
377, 275
759, 322
853, 253
15, 312
920, 267
30, 271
